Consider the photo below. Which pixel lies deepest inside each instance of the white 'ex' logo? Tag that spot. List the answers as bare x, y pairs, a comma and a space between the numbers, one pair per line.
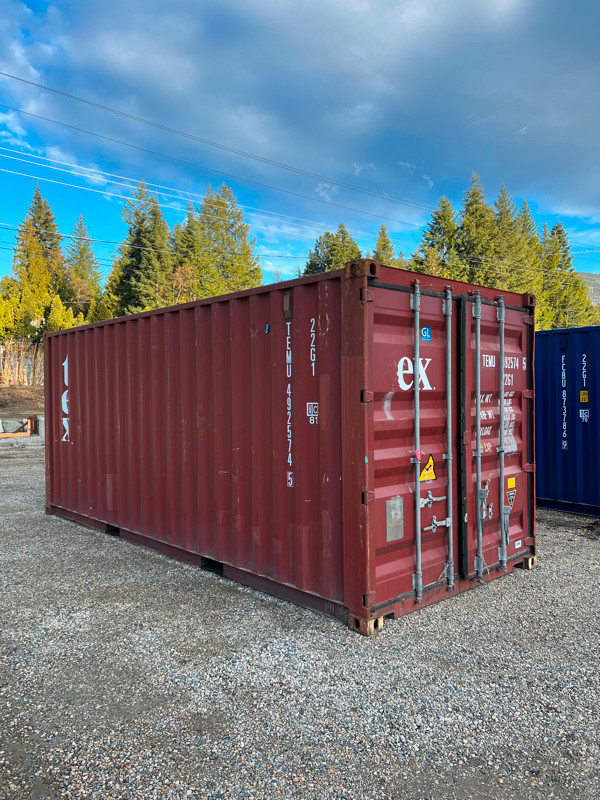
405, 369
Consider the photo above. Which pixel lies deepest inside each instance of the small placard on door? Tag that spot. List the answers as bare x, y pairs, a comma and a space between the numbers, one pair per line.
394, 517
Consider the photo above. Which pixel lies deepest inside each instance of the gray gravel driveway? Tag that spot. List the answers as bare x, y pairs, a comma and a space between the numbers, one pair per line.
124, 674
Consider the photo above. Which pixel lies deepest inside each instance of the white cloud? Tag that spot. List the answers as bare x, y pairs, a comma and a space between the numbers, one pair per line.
321, 85
12, 121
358, 168
326, 191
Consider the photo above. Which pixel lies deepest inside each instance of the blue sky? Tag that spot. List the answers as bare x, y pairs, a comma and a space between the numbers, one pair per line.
403, 99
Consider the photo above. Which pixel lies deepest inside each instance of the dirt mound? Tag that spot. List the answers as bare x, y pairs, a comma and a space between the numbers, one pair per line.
21, 401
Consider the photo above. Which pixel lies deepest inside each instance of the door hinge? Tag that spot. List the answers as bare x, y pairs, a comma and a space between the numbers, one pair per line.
528, 467
528, 394
528, 320
366, 396
366, 296
367, 497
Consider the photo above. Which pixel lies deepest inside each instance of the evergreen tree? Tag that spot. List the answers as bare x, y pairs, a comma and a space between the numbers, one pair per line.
60, 317
384, 248
44, 225
437, 254
45, 229
196, 274
321, 258
511, 265
227, 261
84, 269
344, 248
531, 276
6, 319
565, 294
429, 262
31, 287
476, 236
144, 262
332, 251
107, 305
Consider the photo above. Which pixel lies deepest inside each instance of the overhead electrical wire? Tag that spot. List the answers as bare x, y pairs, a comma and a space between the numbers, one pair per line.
504, 266
187, 195
298, 170
311, 198
262, 255
219, 172
286, 219
139, 247
220, 146
113, 194
236, 177
271, 162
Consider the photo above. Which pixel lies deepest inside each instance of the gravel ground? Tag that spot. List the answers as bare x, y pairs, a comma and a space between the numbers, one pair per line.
124, 674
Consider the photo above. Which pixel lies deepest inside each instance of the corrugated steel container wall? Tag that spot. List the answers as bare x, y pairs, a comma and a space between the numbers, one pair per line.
568, 419
274, 431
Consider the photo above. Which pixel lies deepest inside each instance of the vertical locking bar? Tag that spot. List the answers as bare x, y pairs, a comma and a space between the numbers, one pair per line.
478, 566
418, 575
501, 314
448, 456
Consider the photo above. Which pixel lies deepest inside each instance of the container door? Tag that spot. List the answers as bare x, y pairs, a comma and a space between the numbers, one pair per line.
412, 475
497, 441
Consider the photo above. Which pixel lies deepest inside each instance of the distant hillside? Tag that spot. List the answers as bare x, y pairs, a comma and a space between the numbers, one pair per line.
592, 280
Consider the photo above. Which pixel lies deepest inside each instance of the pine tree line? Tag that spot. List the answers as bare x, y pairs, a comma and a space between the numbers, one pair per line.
51, 288
496, 246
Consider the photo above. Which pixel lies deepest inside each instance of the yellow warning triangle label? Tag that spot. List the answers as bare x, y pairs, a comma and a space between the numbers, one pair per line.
428, 472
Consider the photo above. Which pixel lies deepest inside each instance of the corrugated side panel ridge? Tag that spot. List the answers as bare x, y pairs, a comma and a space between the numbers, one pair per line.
213, 429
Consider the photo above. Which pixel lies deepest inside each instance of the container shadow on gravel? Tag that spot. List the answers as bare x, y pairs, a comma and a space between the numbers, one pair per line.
130, 675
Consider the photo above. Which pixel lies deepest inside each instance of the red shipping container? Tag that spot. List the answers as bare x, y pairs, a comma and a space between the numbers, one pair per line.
335, 440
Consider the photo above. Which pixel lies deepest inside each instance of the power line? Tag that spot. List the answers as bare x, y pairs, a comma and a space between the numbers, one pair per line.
100, 191
252, 210
218, 172
140, 247
123, 198
220, 146
572, 281
338, 205
504, 264
193, 164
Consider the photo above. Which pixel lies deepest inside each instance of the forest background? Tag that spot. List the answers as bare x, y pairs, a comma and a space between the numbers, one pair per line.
56, 281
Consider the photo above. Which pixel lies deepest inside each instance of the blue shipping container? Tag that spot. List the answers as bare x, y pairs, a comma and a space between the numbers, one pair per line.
567, 419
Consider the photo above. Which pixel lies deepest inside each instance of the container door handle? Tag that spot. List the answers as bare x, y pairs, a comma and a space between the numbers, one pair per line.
430, 500
435, 524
